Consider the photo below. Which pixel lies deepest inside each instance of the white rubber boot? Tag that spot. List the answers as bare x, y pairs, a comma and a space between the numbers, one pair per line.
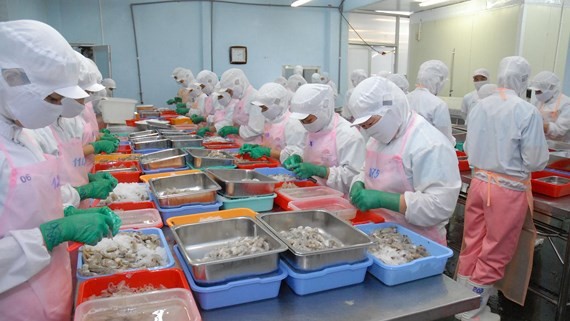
462, 280
483, 313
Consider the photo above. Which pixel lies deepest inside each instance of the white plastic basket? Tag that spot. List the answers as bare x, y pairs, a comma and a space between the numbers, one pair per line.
117, 110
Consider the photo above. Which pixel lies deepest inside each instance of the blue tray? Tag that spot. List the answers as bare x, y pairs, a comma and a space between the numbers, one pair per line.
303, 283
277, 171
167, 213
146, 151
257, 204
414, 270
164, 170
234, 292
169, 258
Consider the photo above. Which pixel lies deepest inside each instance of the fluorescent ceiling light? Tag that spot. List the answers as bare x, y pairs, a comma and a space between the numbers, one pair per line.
432, 2
405, 13
299, 3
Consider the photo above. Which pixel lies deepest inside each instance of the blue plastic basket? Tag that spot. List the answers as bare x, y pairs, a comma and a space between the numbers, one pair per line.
258, 204
146, 151
169, 258
164, 170
276, 171
303, 283
414, 270
167, 213
234, 292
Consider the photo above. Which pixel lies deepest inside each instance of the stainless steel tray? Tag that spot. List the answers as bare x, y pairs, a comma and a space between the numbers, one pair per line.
142, 133
145, 138
243, 182
147, 144
199, 158
354, 242
554, 180
193, 188
172, 132
157, 124
186, 141
195, 240
168, 158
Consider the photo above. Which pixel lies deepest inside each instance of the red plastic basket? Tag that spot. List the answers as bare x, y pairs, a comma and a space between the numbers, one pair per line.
131, 122
122, 177
552, 190
168, 278
168, 112
259, 163
283, 202
462, 160
124, 149
367, 217
129, 206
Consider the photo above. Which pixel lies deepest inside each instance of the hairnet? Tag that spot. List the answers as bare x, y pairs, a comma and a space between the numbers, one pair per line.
298, 70
235, 80
481, 72
313, 99
281, 80
176, 71
294, 82
545, 81
357, 75
513, 74
185, 77
274, 96
316, 78
374, 96
400, 80
486, 90
325, 77
432, 75
207, 78
109, 83
88, 74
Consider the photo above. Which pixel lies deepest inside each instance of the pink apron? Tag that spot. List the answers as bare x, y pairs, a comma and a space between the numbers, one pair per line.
385, 172
321, 148
34, 198
208, 106
90, 131
274, 134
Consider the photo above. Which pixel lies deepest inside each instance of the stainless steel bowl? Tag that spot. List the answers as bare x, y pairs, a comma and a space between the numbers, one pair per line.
168, 158
148, 144
243, 182
199, 158
354, 242
195, 240
554, 180
179, 190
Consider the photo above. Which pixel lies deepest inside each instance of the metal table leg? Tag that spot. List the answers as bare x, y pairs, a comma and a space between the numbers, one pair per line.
565, 285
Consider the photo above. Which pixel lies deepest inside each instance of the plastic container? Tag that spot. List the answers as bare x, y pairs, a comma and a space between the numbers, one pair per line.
262, 162
235, 292
122, 177
305, 193
124, 149
168, 264
210, 216
167, 213
163, 170
117, 110
462, 160
131, 122
145, 178
335, 205
270, 171
141, 218
129, 206
414, 270
180, 120
367, 217
552, 190
168, 278
298, 184
177, 304
258, 204
103, 158
303, 283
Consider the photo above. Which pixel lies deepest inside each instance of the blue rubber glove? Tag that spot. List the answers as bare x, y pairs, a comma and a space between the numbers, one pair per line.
260, 151
196, 119
305, 170
106, 146
88, 228
292, 160
246, 148
367, 199
228, 130
203, 131
116, 220
98, 189
355, 189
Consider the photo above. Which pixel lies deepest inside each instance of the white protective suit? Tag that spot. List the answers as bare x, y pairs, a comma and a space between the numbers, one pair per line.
431, 78
294, 82
292, 134
315, 78
184, 77
356, 76
434, 193
325, 79
348, 155
472, 98
281, 80
203, 105
401, 81
486, 90
109, 85
552, 105
37, 52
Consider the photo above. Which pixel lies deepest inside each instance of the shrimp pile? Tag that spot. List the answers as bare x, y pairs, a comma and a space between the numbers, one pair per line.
308, 239
240, 247
393, 248
122, 289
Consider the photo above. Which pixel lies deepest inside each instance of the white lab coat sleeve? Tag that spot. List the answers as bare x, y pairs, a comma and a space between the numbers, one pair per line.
295, 139
255, 123
23, 256
442, 121
534, 149
346, 114
69, 196
435, 191
225, 119
560, 128
465, 106
351, 153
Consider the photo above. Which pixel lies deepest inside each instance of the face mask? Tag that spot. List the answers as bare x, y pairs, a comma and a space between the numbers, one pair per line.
544, 96
478, 84
237, 92
37, 114
71, 108
194, 93
225, 100
272, 113
385, 129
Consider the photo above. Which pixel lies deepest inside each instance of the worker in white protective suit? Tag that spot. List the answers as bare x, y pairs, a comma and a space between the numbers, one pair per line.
553, 106
401, 81
39, 72
325, 79
281, 80
110, 86
294, 82
200, 93
486, 90
298, 70
183, 77
316, 78
429, 83
401, 155
333, 151
356, 77
505, 143
480, 78
282, 136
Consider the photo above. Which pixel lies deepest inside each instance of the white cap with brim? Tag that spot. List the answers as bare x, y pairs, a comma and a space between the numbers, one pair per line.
257, 103
534, 88
73, 92
95, 87
360, 120
299, 116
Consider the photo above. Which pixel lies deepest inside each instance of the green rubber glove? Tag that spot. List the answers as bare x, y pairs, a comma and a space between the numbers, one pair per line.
355, 189
246, 148
182, 110
105, 146
228, 130
306, 170
177, 99
105, 131
292, 160
367, 199
109, 137
203, 131
260, 151
196, 119
116, 220
170, 101
88, 228
98, 189
174, 101
103, 176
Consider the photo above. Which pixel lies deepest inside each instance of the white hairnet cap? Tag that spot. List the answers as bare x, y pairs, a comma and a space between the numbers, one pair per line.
400, 80
207, 78
273, 96
109, 83
432, 75
356, 76
316, 78
481, 72
374, 96
176, 71
545, 81
298, 70
186, 75
41, 57
486, 90
324, 77
281, 80
315, 99
295, 81
514, 72
88, 74
234, 78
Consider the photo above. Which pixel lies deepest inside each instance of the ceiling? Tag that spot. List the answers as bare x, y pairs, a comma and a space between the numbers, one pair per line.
404, 5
